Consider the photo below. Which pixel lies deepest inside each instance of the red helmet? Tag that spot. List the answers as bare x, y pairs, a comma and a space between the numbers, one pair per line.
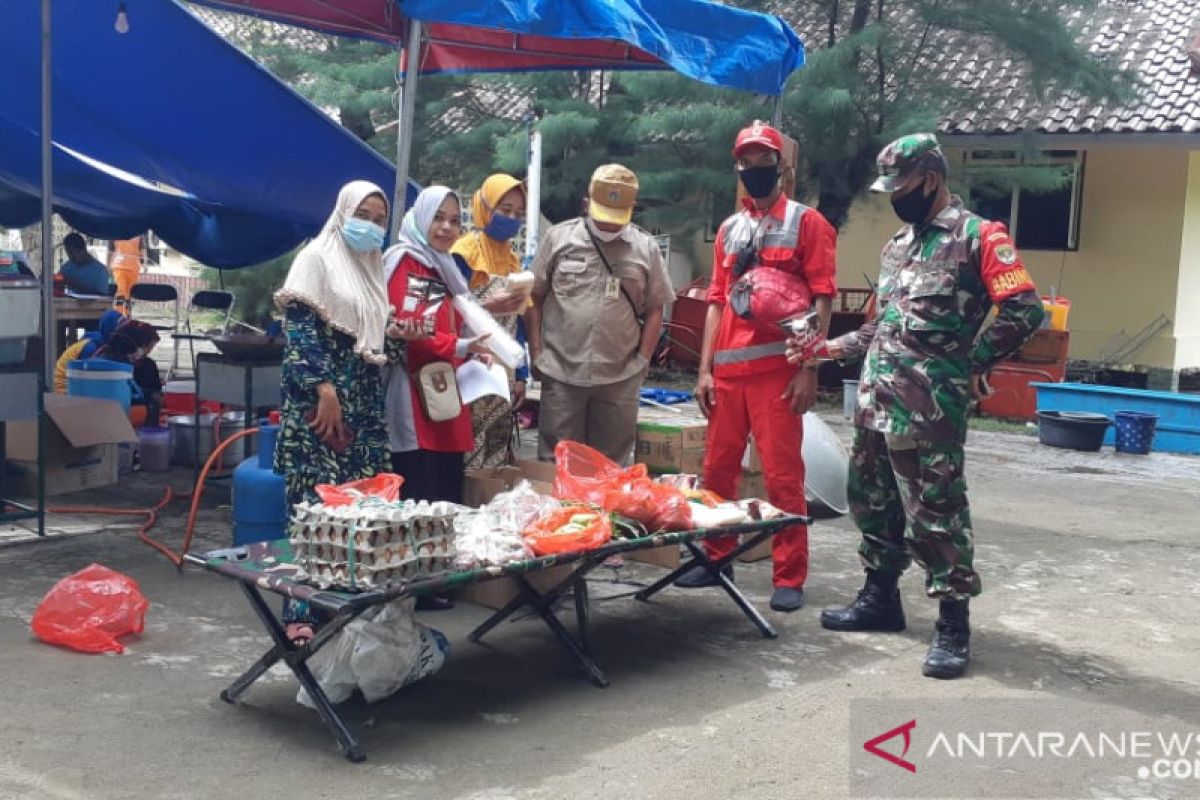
758, 133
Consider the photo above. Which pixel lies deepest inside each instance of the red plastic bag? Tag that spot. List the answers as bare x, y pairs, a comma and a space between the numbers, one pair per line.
588, 476
385, 486
546, 535
672, 511
87, 611
585, 475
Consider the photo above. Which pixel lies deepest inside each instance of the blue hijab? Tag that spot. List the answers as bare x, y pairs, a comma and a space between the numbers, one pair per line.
96, 339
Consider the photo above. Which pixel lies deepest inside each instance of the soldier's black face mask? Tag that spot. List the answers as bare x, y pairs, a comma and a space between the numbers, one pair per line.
913, 206
759, 181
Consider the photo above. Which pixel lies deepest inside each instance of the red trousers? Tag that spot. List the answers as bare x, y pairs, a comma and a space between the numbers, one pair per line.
755, 405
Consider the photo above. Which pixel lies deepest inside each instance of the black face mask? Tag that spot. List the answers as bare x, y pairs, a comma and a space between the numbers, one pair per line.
913, 207
759, 181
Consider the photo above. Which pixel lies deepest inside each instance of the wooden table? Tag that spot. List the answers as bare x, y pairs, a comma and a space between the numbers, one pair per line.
71, 314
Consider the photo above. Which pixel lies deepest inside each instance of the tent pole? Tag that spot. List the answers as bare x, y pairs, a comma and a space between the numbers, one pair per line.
777, 112
49, 332
404, 127
533, 191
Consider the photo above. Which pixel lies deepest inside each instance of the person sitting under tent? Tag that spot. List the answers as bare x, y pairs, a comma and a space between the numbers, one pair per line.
132, 343
86, 347
82, 272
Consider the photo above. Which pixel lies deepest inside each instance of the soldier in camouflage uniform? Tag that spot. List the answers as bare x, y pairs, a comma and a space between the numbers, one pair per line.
924, 362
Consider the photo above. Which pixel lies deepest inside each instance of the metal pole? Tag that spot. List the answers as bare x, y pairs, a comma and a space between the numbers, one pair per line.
49, 329
777, 112
404, 128
533, 190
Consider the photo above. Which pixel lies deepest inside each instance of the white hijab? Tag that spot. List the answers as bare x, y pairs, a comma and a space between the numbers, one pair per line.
414, 241
344, 288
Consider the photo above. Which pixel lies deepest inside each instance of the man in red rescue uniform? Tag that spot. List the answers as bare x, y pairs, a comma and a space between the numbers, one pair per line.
746, 385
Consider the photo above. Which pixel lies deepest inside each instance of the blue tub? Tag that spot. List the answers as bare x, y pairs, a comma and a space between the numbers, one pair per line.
1178, 428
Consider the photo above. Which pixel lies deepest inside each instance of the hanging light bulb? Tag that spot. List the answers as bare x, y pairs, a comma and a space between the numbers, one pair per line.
122, 23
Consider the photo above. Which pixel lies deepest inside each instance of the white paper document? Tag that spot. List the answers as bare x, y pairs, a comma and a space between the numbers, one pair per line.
476, 381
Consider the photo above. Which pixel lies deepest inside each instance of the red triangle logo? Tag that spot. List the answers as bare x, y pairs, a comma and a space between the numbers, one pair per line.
905, 730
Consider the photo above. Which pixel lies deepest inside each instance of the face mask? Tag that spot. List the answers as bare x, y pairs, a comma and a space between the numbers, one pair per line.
913, 207
604, 236
502, 228
759, 181
361, 235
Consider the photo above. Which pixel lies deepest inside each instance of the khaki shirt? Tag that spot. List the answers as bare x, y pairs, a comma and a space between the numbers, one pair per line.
590, 336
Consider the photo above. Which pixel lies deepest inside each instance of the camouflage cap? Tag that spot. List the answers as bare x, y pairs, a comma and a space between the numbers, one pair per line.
906, 156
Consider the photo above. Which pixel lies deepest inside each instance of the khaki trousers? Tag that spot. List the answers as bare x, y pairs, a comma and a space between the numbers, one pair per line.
603, 417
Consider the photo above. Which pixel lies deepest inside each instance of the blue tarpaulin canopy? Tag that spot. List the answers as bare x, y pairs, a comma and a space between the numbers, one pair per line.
717, 44
168, 127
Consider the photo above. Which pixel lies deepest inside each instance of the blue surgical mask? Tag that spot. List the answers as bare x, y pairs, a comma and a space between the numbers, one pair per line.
362, 235
502, 228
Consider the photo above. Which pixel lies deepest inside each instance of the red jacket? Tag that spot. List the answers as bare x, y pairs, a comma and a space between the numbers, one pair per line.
794, 238
451, 436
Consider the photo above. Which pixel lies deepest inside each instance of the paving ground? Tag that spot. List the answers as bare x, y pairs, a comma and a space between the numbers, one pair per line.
1090, 564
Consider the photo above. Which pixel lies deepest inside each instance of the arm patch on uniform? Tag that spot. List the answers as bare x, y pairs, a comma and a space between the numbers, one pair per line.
1009, 283
1000, 264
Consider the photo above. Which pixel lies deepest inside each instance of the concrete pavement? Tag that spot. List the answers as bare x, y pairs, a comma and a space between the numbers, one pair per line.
1089, 561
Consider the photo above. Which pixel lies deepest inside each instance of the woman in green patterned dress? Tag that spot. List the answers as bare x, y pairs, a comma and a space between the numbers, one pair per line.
332, 427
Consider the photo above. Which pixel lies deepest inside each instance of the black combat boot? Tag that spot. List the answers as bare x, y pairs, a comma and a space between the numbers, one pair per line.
877, 608
949, 651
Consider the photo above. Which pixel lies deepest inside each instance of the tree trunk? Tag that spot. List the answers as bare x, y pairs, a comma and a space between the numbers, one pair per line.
840, 183
358, 123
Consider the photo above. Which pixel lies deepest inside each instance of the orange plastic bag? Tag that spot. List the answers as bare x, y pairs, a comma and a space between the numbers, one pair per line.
385, 486
546, 536
87, 611
585, 475
588, 476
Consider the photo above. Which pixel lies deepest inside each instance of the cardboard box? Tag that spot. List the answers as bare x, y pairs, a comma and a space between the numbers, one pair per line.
82, 435
758, 552
752, 485
497, 593
671, 442
668, 556
481, 485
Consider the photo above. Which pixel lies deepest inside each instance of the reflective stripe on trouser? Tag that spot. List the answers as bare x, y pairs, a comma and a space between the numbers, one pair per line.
909, 501
755, 405
603, 417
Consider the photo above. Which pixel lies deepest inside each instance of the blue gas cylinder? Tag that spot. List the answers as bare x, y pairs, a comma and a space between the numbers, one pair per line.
260, 511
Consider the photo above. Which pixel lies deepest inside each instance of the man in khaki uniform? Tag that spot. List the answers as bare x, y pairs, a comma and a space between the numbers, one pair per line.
600, 287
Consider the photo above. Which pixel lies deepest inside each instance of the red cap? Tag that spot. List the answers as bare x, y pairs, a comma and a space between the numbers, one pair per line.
273, 418
758, 133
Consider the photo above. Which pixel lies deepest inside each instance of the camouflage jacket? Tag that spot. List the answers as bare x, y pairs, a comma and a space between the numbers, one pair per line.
936, 288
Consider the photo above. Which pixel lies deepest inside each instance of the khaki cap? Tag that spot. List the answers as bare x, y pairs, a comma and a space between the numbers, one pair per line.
612, 194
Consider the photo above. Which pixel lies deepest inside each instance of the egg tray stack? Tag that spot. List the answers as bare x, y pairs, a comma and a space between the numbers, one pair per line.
372, 544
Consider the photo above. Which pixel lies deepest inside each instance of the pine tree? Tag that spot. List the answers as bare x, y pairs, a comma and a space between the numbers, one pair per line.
868, 79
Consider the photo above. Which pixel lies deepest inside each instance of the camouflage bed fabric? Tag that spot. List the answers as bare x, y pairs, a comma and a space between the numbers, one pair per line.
269, 566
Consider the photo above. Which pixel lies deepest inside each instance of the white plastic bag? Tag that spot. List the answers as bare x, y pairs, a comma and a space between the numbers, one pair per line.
378, 653
492, 535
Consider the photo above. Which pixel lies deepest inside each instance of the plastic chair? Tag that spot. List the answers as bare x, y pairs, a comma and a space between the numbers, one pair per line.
202, 302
